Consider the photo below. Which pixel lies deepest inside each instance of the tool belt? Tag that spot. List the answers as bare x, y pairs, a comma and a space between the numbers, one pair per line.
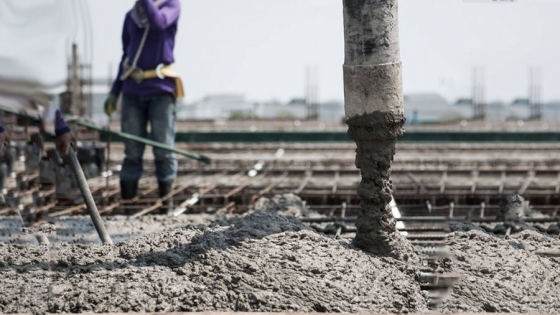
162, 71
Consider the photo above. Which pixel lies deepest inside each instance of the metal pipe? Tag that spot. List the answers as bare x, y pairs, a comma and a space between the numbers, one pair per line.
374, 112
152, 143
88, 198
108, 165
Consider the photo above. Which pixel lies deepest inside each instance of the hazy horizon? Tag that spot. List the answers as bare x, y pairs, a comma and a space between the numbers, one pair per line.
260, 48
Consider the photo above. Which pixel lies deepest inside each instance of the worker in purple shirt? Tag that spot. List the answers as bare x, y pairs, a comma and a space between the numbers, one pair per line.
149, 89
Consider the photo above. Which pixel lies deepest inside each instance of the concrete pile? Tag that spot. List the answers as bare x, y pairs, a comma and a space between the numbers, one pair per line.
503, 274
263, 262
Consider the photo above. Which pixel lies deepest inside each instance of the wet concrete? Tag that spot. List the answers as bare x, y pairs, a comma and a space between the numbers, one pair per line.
503, 274
511, 208
262, 262
375, 135
265, 261
376, 126
79, 229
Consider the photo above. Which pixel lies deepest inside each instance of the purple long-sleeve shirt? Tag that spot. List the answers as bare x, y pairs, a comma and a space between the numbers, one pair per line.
157, 50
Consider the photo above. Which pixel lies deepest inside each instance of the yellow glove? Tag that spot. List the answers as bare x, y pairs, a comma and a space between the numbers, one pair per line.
111, 104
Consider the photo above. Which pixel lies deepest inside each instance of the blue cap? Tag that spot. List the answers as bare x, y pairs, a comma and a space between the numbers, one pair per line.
60, 125
2, 128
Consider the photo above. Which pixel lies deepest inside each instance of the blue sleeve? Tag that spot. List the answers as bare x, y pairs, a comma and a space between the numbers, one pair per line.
163, 17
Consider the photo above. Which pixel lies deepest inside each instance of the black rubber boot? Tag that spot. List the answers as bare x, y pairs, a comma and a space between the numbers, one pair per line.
129, 190
164, 189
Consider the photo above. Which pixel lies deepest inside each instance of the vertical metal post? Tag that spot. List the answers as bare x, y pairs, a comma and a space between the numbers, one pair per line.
76, 84
108, 165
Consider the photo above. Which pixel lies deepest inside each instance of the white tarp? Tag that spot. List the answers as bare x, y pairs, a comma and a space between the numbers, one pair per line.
36, 38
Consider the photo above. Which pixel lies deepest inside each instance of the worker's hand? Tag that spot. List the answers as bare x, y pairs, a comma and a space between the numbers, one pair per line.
63, 144
111, 104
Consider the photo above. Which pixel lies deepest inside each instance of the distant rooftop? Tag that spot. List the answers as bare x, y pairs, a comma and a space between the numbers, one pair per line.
224, 98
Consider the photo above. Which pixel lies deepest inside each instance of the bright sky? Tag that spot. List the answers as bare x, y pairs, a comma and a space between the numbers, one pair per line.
260, 48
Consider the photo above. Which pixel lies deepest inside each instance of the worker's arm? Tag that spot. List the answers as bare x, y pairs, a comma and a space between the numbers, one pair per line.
3, 139
117, 84
162, 18
64, 137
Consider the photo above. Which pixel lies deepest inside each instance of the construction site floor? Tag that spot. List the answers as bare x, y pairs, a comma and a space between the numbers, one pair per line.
268, 261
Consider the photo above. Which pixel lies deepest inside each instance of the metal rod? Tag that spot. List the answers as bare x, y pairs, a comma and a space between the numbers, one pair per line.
158, 203
108, 165
108, 131
88, 198
130, 137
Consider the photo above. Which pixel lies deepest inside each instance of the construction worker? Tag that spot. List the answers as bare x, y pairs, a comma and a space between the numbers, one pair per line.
149, 89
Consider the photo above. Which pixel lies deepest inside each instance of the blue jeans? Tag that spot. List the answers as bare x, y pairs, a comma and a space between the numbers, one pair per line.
137, 112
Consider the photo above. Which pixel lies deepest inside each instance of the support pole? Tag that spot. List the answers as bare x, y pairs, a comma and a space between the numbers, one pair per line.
374, 106
76, 84
88, 198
